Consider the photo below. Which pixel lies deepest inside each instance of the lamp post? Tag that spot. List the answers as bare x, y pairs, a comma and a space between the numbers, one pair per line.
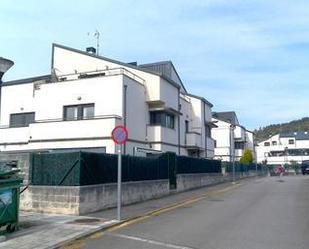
5, 65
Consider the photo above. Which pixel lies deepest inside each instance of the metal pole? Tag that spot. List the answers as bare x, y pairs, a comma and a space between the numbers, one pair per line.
234, 169
256, 170
119, 184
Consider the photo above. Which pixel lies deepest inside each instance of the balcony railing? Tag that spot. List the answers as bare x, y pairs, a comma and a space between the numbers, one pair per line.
193, 139
40, 130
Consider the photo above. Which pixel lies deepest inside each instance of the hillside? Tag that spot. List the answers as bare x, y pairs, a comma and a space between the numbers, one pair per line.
296, 125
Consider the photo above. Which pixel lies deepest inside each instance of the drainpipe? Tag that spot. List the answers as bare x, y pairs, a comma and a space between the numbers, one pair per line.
5, 65
125, 87
178, 121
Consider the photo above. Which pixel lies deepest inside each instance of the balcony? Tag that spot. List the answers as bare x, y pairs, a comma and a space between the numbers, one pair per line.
157, 133
239, 133
193, 140
59, 130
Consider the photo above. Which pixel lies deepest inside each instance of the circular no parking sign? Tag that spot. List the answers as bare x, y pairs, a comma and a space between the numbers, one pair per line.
120, 134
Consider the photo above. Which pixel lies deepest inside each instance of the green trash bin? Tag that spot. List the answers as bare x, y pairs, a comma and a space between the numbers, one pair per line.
10, 184
9, 203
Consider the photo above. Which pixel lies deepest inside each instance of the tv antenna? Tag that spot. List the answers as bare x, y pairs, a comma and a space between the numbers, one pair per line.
96, 34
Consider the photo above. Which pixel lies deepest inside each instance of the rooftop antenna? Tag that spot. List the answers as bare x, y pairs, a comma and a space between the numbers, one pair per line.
96, 34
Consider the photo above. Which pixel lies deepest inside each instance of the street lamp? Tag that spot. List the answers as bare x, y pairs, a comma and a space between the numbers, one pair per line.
5, 65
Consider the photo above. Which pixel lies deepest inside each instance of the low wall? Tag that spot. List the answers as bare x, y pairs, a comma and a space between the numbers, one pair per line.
191, 181
78, 200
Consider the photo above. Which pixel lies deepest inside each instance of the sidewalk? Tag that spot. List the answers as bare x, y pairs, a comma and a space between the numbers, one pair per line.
42, 231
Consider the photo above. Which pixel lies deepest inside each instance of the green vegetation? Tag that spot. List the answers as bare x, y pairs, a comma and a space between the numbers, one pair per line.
263, 133
247, 157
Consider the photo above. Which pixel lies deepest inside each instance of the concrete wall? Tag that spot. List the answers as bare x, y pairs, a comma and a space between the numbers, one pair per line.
191, 181
78, 200
23, 160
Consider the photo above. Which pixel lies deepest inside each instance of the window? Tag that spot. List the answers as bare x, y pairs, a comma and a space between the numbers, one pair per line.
78, 112
291, 141
266, 144
21, 119
186, 126
239, 145
170, 121
162, 118
215, 143
208, 131
274, 142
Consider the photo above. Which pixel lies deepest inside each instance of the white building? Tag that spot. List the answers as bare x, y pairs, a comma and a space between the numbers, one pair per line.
284, 148
85, 96
231, 138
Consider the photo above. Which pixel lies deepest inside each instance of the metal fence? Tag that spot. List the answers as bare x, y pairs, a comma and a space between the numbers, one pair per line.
85, 168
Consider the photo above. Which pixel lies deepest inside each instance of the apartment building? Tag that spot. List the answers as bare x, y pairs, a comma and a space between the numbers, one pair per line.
81, 100
231, 138
284, 148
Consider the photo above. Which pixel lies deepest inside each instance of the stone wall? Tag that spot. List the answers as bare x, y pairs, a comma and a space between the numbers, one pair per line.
78, 200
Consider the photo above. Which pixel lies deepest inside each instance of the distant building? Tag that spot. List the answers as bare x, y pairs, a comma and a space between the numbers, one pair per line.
284, 148
231, 138
76, 106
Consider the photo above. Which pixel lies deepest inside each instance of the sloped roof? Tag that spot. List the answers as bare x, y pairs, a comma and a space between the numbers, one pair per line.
166, 68
229, 117
299, 135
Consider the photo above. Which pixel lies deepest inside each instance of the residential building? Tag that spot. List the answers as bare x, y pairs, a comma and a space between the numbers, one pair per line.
284, 148
77, 105
231, 138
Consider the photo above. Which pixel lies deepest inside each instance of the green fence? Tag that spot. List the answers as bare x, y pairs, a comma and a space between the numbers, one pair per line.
84, 168
188, 165
244, 168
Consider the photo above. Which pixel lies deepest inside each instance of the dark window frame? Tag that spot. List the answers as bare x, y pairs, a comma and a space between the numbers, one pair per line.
291, 141
162, 118
80, 111
22, 124
266, 144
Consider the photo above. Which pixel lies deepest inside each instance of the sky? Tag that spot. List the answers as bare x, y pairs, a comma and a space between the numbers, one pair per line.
251, 57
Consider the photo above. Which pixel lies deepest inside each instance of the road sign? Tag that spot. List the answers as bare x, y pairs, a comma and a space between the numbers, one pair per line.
120, 134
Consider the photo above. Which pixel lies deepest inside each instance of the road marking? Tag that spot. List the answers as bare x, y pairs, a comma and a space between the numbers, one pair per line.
149, 241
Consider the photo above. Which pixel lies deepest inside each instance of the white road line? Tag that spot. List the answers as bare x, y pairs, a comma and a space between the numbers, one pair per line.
153, 242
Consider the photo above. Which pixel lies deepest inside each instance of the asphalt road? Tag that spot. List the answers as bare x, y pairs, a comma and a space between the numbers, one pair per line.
258, 214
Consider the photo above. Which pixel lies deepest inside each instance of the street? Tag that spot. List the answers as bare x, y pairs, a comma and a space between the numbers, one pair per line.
257, 214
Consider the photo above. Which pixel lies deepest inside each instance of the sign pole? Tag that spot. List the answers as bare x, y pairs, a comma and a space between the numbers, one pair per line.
119, 136
119, 184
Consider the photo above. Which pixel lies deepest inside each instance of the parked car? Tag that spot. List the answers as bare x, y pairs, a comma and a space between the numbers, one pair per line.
305, 169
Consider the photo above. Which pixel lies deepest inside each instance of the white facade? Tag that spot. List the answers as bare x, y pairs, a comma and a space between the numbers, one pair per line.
284, 148
156, 109
231, 139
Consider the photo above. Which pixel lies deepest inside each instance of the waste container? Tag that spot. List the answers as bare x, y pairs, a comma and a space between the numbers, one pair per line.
9, 198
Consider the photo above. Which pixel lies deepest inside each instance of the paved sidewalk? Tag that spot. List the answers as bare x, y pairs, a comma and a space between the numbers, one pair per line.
42, 231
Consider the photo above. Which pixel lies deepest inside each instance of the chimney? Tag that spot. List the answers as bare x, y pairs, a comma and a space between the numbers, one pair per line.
91, 50
5, 65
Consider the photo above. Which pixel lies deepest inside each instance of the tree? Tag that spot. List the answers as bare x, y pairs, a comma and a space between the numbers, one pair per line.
247, 157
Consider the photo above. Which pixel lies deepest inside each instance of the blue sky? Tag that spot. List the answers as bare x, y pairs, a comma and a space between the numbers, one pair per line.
248, 56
